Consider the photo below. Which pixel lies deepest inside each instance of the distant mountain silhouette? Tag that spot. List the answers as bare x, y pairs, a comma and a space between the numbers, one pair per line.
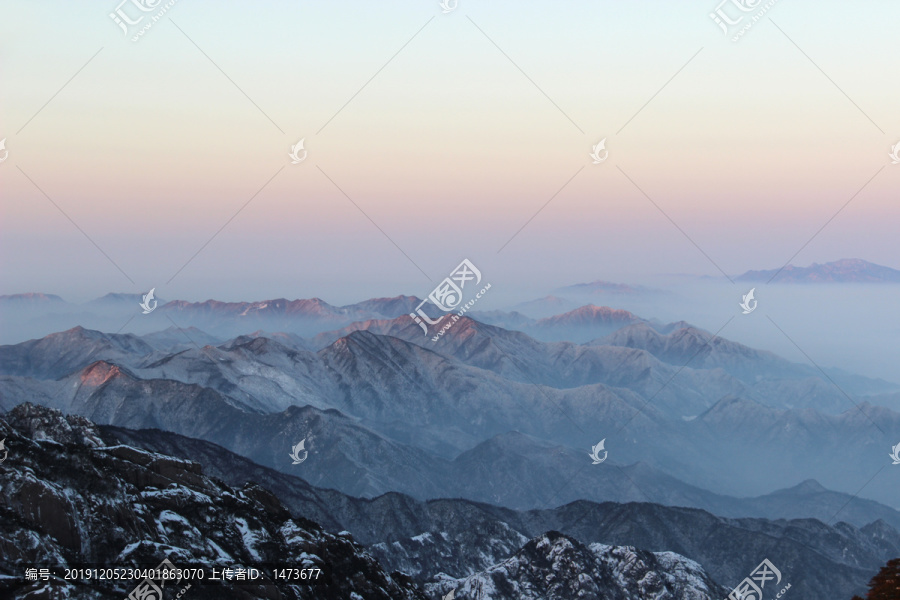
603, 287
31, 300
847, 270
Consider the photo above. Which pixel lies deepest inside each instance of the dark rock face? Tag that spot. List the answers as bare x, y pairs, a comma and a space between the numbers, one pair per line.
556, 567
67, 499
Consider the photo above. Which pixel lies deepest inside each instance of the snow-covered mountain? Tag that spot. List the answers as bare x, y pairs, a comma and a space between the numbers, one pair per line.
450, 539
62, 353
70, 499
174, 339
582, 324
75, 494
509, 468
554, 566
769, 375
417, 403
708, 367
577, 325
394, 424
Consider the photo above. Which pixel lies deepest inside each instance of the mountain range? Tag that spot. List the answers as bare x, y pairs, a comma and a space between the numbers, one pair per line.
491, 426
118, 500
381, 413
70, 500
576, 313
847, 270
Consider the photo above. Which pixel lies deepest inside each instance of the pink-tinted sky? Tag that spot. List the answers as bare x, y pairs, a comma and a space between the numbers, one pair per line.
745, 149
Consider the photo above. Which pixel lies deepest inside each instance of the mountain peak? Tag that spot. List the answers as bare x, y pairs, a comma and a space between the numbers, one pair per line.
809, 486
98, 373
76, 333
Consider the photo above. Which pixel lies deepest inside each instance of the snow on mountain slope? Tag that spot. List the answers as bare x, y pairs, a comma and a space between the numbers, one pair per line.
456, 538
554, 566
69, 499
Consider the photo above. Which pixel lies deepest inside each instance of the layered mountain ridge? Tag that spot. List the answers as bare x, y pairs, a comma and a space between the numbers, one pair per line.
71, 498
443, 538
419, 400
393, 424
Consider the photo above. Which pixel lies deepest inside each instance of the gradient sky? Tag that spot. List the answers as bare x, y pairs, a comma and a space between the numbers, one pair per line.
450, 149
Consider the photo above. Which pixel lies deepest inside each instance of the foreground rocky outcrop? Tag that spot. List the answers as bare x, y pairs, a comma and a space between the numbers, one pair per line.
67, 499
554, 566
